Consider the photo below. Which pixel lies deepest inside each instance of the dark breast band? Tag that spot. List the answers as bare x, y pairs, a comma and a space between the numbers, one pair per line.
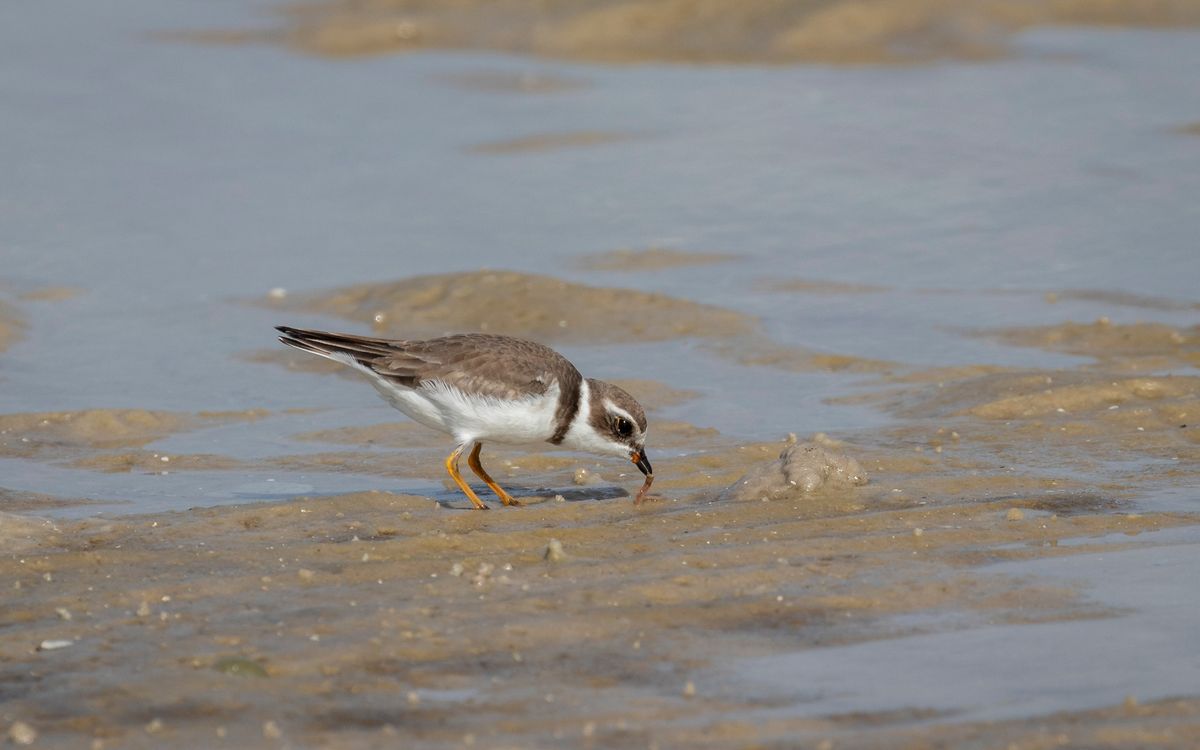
569, 382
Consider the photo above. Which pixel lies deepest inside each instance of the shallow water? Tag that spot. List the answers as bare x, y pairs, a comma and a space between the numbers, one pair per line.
992, 672
908, 210
193, 183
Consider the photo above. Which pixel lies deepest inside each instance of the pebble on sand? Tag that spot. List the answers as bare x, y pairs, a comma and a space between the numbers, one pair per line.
240, 667
51, 645
583, 476
21, 733
554, 551
1014, 514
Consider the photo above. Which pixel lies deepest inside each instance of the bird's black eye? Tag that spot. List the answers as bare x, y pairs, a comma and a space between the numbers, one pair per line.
624, 427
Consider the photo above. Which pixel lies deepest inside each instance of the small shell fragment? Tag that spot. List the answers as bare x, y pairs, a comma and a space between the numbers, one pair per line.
554, 551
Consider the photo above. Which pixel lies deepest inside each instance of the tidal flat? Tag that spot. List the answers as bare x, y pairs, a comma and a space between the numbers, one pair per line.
913, 315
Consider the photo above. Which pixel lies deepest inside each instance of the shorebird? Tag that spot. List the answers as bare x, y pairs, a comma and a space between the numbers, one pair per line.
481, 388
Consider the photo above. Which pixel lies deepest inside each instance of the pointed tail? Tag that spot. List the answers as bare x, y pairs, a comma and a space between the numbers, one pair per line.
342, 347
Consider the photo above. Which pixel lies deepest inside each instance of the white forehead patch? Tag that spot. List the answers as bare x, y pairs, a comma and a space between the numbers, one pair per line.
612, 408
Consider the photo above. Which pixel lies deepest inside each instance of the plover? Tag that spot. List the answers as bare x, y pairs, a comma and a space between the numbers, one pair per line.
482, 388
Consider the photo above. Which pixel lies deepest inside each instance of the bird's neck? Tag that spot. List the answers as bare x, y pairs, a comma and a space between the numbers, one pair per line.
573, 400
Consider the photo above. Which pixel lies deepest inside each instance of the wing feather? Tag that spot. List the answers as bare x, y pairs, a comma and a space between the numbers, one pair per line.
485, 364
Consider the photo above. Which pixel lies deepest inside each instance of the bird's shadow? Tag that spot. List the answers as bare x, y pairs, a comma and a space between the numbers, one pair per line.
454, 500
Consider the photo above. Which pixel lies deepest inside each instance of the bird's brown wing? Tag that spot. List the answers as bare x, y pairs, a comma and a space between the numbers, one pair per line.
484, 364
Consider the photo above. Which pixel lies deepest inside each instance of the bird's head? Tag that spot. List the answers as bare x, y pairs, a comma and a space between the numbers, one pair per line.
619, 423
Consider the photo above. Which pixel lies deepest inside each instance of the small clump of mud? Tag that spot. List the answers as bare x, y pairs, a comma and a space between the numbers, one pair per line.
801, 469
650, 259
539, 307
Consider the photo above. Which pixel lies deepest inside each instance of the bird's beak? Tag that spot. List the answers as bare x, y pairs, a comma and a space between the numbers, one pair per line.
643, 463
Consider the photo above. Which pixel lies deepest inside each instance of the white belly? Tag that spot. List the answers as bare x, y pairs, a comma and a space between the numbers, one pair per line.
470, 418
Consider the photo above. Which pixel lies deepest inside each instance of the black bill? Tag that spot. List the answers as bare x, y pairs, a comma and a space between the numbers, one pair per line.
643, 463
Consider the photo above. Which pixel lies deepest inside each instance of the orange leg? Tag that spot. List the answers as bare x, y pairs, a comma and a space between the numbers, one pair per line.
477, 467
452, 467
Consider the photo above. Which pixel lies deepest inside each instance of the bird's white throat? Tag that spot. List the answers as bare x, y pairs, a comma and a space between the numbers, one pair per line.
583, 437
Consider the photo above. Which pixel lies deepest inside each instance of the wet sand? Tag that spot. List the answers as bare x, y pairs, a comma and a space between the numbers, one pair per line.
368, 619
760, 31
550, 142
650, 259
1002, 556
550, 311
531, 82
1130, 346
812, 286
11, 326
377, 618
759, 351
84, 434
519, 304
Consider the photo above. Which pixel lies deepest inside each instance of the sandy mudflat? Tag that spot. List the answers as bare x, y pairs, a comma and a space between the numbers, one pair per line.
813, 286
548, 309
1133, 345
520, 304
760, 31
1124, 299
375, 616
650, 259
368, 619
80, 435
759, 351
977, 280
550, 142
11, 326
531, 82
